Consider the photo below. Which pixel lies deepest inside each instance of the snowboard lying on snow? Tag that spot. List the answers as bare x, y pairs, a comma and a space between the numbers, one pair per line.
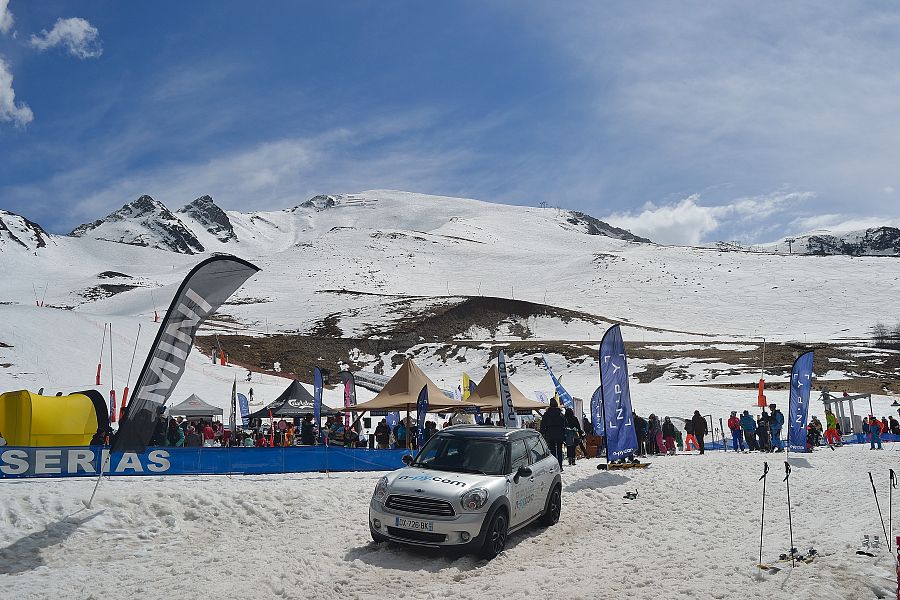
619, 466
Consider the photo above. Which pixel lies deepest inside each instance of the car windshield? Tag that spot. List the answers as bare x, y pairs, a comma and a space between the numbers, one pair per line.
463, 455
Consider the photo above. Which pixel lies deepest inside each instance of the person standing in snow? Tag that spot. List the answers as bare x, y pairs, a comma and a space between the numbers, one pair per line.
655, 436
640, 429
874, 433
737, 437
668, 432
748, 426
383, 435
689, 439
762, 432
573, 435
700, 429
775, 424
831, 434
307, 431
174, 435
192, 439
553, 428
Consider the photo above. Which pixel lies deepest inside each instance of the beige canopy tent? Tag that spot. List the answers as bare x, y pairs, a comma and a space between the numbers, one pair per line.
487, 394
401, 392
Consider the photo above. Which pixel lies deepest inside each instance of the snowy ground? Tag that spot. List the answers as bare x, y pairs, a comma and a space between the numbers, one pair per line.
692, 532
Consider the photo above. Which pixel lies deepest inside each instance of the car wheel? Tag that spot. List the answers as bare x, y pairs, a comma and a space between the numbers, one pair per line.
495, 537
554, 507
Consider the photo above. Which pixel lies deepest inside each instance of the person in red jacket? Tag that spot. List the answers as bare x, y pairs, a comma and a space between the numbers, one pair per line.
208, 435
737, 437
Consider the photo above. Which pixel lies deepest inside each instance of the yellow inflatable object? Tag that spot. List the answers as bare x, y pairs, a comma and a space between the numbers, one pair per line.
27, 419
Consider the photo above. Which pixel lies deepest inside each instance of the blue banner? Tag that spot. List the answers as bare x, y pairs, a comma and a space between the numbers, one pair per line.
597, 412
317, 397
392, 418
245, 409
421, 413
83, 461
798, 411
621, 438
564, 396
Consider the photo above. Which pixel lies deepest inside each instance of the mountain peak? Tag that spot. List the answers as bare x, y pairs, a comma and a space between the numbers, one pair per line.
211, 217
18, 231
594, 226
143, 222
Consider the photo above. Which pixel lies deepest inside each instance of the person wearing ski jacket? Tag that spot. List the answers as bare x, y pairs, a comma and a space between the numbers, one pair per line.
874, 433
553, 428
748, 426
307, 431
383, 435
640, 429
775, 424
689, 439
655, 441
174, 435
573, 435
737, 437
700, 429
668, 433
831, 434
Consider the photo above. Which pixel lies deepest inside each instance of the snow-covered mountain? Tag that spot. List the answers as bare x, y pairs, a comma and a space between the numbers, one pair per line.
203, 225
18, 233
205, 213
875, 241
143, 222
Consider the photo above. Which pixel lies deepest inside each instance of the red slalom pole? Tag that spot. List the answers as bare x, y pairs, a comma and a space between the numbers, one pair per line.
124, 400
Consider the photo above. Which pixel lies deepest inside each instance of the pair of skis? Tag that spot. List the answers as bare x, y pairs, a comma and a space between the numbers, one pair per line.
793, 555
892, 484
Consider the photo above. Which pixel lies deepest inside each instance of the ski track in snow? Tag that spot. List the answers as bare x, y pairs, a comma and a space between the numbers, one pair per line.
693, 532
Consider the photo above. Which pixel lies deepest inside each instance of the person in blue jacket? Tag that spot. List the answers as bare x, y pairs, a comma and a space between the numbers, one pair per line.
748, 425
776, 422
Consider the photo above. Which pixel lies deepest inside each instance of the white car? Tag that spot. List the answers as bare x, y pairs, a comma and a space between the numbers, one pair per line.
469, 487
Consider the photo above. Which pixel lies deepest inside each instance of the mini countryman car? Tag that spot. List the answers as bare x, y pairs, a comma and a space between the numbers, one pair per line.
469, 487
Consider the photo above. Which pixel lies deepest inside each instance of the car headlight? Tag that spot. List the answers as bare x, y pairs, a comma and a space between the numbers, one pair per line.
381, 489
474, 499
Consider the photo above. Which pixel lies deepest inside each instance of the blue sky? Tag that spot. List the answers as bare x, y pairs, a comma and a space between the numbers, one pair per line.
685, 122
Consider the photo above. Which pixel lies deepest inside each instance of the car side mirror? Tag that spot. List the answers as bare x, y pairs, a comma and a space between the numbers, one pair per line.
522, 472
407, 459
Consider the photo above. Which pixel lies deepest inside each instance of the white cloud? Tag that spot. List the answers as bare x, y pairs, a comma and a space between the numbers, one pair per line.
6, 18
841, 223
687, 222
76, 35
19, 114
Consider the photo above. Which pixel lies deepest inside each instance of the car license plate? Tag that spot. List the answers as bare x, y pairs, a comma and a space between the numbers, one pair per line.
414, 524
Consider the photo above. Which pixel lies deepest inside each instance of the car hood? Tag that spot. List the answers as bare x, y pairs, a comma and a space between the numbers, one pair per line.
442, 484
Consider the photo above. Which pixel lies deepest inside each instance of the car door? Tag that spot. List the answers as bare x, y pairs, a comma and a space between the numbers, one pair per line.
544, 466
521, 491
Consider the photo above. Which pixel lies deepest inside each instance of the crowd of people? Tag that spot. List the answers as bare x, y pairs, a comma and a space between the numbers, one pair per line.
564, 431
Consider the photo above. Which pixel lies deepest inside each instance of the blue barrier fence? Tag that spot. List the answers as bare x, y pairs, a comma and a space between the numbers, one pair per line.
81, 461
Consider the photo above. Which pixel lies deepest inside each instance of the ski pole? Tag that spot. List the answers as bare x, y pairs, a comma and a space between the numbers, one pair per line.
762, 519
787, 481
893, 484
878, 506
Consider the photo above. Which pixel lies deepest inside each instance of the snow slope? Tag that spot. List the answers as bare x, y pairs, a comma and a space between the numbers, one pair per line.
692, 532
399, 244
